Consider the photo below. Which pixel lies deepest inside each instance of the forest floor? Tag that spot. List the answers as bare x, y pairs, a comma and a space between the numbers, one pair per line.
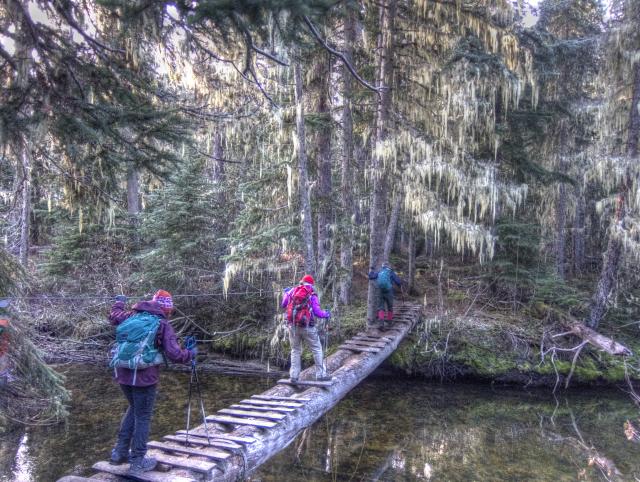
474, 331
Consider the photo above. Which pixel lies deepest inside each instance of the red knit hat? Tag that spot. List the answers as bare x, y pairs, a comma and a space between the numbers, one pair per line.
164, 300
307, 278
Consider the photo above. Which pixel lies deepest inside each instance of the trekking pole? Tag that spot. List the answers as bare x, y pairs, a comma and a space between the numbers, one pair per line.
189, 405
190, 344
326, 334
204, 415
325, 339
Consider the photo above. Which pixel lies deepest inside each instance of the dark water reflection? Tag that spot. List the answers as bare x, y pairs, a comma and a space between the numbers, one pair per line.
386, 429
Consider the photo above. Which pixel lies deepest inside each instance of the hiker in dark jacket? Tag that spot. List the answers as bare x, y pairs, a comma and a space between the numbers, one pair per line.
139, 386
385, 279
302, 326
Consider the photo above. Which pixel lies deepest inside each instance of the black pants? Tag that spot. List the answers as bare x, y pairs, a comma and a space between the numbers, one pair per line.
136, 423
385, 299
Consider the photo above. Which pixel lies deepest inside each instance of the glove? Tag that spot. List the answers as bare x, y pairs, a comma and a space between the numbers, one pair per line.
122, 298
190, 344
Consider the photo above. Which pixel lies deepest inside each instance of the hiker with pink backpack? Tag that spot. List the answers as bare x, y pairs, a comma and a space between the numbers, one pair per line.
303, 307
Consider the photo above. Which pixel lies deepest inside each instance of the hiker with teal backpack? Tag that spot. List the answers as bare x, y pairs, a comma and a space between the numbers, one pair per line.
144, 337
385, 279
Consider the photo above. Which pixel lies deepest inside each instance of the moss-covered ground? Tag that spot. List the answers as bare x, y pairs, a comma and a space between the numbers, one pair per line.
492, 347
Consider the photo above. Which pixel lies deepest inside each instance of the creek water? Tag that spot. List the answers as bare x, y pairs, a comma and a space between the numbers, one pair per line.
386, 429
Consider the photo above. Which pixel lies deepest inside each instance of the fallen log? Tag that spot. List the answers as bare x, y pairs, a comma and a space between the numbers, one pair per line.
256, 438
348, 368
92, 353
601, 342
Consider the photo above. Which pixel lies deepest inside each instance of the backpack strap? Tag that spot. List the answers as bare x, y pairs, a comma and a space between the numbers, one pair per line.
307, 304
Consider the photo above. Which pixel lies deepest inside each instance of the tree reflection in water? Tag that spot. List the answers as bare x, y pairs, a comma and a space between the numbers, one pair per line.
394, 430
387, 429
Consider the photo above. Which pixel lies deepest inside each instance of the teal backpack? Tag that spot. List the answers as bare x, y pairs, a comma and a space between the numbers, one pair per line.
384, 279
135, 345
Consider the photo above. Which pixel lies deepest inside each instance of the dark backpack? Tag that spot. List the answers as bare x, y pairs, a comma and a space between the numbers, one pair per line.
384, 279
299, 307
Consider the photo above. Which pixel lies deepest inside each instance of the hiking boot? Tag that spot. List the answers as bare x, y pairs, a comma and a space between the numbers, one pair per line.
141, 465
293, 380
118, 458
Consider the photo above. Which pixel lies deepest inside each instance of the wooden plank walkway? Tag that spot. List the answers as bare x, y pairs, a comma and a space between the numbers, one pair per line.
250, 431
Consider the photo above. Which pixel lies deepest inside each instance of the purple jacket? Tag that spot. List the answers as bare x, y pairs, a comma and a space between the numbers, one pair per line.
165, 339
315, 303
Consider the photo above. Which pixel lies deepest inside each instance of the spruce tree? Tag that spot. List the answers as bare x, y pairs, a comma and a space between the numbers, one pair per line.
179, 229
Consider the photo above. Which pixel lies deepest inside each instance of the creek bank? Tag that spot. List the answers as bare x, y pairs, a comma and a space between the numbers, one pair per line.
483, 347
507, 350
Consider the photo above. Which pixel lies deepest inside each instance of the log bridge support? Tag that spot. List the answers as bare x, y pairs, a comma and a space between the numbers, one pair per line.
249, 432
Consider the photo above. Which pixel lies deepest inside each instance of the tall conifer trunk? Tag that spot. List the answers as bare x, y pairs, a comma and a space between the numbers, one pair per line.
22, 146
217, 170
379, 195
391, 229
560, 238
606, 282
411, 260
579, 233
25, 210
346, 171
303, 172
634, 115
324, 162
133, 194
561, 231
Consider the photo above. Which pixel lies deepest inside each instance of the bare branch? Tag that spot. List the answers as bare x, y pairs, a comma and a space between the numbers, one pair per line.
73, 24
243, 74
573, 363
264, 92
218, 159
269, 56
340, 55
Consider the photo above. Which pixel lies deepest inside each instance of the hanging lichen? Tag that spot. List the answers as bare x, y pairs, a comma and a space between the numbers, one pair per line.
459, 63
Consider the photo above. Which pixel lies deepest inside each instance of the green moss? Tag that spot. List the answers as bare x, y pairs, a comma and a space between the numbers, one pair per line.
404, 357
615, 373
488, 351
587, 374
457, 295
483, 361
349, 321
547, 368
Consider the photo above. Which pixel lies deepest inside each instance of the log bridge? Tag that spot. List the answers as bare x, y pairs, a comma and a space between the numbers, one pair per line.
246, 434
